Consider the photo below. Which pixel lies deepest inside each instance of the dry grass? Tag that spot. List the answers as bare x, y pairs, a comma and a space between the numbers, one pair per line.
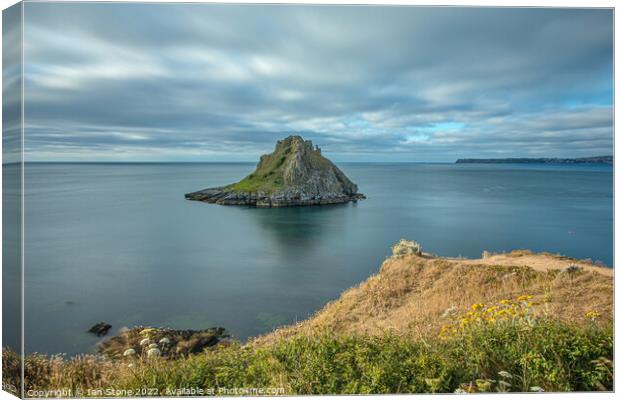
410, 294
539, 261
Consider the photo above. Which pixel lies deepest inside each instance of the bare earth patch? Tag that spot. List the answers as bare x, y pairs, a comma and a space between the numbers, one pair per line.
539, 261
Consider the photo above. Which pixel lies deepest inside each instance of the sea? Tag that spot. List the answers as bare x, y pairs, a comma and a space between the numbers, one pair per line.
118, 242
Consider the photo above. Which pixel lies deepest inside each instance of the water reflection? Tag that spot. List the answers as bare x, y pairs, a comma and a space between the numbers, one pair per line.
300, 230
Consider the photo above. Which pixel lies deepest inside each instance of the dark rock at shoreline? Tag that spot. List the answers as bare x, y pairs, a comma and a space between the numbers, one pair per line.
169, 343
223, 196
295, 174
100, 329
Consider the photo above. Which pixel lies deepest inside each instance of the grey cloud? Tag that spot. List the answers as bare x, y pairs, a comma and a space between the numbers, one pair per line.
217, 82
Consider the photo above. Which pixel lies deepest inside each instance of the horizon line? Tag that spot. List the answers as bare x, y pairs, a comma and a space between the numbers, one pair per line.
210, 162
254, 162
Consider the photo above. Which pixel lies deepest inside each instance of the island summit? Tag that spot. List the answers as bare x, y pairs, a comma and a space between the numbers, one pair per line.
295, 174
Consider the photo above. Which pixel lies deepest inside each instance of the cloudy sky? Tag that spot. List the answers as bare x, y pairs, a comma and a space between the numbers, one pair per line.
177, 82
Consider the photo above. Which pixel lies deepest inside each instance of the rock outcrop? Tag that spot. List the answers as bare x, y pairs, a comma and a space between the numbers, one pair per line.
295, 174
165, 342
100, 329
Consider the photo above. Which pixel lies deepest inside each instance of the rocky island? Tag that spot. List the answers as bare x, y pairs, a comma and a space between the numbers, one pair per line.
295, 174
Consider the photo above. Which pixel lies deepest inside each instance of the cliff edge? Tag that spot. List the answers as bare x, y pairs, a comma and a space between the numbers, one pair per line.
415, 293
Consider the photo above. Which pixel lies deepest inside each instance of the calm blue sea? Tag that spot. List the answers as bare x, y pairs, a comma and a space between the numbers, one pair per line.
119, 243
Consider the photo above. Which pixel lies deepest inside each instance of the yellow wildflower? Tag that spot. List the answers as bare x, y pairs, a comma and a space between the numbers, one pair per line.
592, 315
147, 331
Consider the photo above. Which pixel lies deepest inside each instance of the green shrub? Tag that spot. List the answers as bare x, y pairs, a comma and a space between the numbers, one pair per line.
406, 247
541, 355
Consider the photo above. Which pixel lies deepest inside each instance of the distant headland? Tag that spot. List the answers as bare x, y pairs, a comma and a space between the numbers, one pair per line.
295, 174
583, 160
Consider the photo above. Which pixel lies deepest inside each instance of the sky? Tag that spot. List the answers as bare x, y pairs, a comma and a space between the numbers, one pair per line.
192, 82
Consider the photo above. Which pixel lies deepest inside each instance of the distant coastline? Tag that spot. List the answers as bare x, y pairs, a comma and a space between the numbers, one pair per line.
583, 160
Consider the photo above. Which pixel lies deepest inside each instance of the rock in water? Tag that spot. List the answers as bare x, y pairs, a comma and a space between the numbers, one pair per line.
295, 174
100, 329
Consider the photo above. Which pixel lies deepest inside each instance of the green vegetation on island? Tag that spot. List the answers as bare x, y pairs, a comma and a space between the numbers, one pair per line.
268, 176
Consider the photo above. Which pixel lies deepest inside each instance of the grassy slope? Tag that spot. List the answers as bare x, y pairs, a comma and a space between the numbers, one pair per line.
268, 175
552, 355
410, 294
388, 336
